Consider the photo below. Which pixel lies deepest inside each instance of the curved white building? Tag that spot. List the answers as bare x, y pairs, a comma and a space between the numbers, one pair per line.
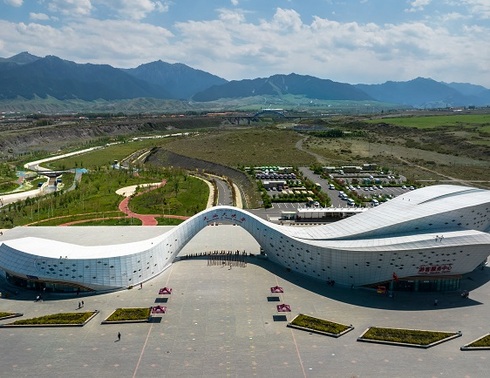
438, 231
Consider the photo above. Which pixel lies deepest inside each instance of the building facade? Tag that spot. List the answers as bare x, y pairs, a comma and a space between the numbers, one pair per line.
438, 232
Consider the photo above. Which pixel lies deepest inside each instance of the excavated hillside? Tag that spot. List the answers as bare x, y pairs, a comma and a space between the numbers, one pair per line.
27, 135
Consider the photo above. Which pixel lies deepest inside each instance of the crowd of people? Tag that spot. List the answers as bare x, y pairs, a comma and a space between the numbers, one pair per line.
227, 258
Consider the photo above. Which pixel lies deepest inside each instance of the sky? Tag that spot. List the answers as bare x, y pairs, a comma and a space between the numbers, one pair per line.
350, 41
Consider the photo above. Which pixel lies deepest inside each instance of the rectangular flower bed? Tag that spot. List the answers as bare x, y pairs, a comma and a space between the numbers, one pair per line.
406, 337
129, 315
75, 319
321, 326
482, 343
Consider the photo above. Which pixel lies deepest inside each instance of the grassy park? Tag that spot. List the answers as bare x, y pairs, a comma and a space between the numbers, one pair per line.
181, 195
93, 198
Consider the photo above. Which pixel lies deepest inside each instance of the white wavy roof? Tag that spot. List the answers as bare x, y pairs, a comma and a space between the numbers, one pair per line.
55, 249
431, 201
388, 226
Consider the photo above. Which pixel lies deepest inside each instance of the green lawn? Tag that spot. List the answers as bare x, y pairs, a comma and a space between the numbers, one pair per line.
181, 195
104, 156
168, 221
434, 121
112, 222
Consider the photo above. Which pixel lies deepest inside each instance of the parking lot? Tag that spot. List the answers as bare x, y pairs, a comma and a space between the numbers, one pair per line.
374, 191
344, 190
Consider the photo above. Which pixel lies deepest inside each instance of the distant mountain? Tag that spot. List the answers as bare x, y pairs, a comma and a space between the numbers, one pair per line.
467, 89
181, 81
425, 93
14, 61
62, 79
281, 85
28, 76
478, 93
22, 58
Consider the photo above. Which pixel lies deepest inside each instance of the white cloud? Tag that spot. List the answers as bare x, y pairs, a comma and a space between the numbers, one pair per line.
71, 7
135, 10
478, 8
227, 15
123, 9
453, 16
14, 3
38, 16
121, 43
349, 52
285, 19
234, 2
417, 5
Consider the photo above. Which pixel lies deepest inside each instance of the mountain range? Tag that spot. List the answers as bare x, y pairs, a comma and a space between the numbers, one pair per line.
27, 76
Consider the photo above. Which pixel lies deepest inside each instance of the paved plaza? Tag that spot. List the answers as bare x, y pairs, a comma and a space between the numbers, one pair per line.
220, 323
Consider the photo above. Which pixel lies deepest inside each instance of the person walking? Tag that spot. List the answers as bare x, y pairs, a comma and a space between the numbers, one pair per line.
119, 336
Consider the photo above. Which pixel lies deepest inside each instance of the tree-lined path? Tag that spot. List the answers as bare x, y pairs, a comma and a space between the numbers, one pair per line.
146, 219
128, 192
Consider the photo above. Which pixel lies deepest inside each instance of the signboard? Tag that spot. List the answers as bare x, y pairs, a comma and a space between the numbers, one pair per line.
435, 269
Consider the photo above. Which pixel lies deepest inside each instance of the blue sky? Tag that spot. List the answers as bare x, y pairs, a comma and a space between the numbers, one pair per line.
353, 41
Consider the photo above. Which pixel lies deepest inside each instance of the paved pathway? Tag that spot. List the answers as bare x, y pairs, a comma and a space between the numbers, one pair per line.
146, 219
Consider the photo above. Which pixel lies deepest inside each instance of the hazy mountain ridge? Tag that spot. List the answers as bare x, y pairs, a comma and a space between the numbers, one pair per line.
181, 81
28, 76
426, 93
279, 85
